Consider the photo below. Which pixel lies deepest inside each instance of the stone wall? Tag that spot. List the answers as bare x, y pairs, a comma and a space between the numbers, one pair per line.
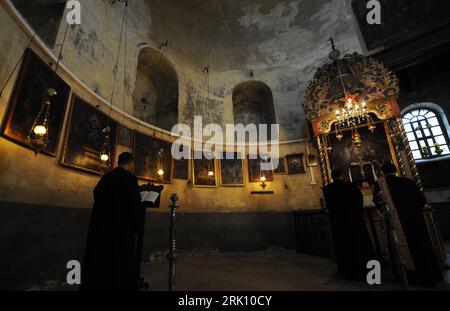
45, 207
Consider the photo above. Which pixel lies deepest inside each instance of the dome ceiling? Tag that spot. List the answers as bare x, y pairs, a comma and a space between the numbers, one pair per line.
229, 34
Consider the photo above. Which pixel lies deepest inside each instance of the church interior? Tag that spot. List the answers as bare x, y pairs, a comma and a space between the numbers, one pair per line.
350, 86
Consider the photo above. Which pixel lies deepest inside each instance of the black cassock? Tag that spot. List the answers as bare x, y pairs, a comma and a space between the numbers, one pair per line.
117, 217
351, 240
409, 202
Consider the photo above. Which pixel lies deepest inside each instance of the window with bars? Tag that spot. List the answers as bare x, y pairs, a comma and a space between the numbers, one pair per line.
426, 134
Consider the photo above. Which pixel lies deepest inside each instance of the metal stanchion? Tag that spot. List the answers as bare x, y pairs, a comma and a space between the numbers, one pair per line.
172, 255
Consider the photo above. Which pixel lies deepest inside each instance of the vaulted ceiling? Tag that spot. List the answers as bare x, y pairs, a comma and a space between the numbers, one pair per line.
257, 34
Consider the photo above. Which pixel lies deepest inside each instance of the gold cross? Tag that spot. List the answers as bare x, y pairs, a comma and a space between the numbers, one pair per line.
361, 164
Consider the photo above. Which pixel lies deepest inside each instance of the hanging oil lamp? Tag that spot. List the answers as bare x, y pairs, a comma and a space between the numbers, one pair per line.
338, 132
210, 169
371, 125
356, 138
38, 137
160, 164
327, 143
105, 153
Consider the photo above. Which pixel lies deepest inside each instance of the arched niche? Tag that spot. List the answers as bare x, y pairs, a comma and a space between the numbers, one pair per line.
44, 16
155, 98
253, 104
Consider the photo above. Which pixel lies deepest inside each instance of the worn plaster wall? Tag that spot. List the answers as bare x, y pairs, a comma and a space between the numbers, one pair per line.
282, 42
45, 207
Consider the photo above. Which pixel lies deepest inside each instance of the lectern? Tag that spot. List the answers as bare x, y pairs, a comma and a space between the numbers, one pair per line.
148, 195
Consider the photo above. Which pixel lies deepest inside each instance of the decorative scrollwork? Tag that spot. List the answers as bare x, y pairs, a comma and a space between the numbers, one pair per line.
364, 76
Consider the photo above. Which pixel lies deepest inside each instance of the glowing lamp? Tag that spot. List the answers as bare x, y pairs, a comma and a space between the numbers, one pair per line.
160, 173
210, 173
104, 157
263, 180
40, 130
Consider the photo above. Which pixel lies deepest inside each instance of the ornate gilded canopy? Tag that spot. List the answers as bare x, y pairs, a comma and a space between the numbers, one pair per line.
361, 78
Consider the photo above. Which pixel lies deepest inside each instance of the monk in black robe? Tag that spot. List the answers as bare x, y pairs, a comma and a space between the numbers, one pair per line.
409, 202
351, 240
110, 254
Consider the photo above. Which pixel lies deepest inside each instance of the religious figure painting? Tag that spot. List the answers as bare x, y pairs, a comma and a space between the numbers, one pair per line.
124, 136
35, 78
254, 169
203, 171
281, 168
231, 169
85, 138
181, 167
295, 163
360, 163
152, 155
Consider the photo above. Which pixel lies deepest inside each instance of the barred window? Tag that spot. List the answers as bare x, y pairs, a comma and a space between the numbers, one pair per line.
426, 134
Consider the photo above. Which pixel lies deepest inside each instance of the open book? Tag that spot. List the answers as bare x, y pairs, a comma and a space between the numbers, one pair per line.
149, 196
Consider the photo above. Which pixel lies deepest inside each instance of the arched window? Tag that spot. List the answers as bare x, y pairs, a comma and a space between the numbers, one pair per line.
426, 132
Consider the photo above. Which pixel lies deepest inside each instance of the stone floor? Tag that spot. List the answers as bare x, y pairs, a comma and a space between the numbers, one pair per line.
274, 270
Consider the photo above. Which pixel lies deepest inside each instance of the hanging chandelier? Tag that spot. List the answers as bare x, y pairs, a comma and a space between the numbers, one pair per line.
353, 112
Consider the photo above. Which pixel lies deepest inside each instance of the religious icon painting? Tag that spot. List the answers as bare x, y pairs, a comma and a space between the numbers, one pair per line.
295, 163
181, 166
85, 138
231, 169
35, 78
281, 168
204, 172
124, 136
254, 168
152, 158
